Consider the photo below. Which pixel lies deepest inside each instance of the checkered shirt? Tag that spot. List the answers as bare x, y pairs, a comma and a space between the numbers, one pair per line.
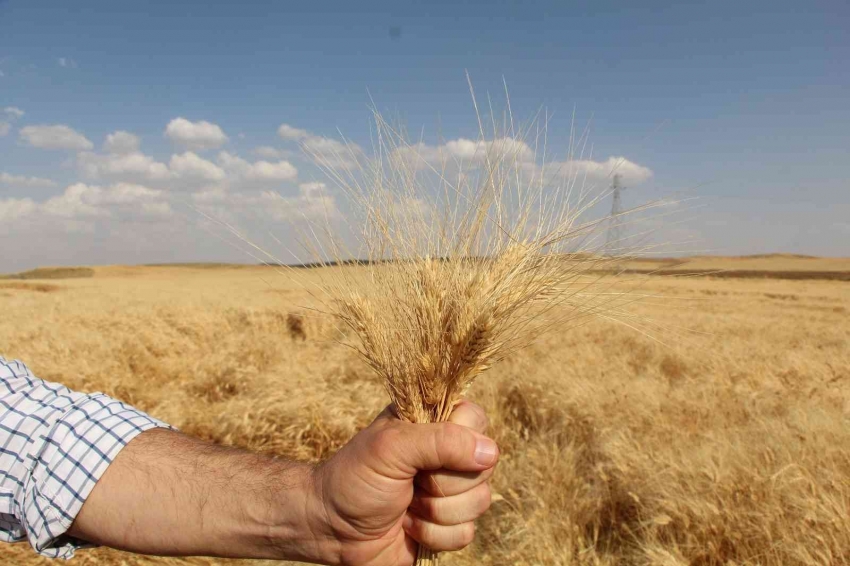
54, 446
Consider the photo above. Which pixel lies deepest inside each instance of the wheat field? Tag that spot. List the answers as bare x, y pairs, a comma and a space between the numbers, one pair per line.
719, 438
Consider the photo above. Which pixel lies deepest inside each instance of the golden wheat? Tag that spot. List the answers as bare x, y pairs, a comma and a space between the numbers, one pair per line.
617, 450
467, 262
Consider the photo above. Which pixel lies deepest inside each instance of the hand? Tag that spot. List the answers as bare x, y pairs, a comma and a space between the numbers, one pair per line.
396, 484
393, 485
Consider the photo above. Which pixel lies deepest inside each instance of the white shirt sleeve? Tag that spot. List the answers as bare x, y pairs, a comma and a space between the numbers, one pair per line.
54, 445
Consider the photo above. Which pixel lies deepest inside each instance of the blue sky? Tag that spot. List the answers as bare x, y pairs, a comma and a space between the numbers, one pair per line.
744, 105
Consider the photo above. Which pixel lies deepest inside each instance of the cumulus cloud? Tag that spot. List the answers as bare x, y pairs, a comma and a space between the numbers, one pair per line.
629, 171
57, 136
462, 150
121, 142
24, 181
80, 201
210, 195
467, 153
5, 128
77, 201
191, 166
195, 135
312, 202
124, 166
329, 152
13, 209
13, 112
271, 152
128, 193
239, 168
288, 132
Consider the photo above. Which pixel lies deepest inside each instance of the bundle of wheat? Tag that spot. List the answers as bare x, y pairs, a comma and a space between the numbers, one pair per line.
468, 260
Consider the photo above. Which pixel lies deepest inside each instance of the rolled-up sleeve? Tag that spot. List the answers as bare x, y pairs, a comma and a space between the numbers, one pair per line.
54, 445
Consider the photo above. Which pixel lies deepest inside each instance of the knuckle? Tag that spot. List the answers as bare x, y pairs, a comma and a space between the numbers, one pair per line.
386, 439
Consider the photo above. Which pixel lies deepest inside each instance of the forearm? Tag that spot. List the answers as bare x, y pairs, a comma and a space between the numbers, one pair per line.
170, 494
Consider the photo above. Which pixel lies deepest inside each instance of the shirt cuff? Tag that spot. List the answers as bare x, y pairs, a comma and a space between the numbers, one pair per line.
74, 455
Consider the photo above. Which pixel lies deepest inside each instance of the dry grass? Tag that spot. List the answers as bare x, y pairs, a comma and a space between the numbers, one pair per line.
727, 448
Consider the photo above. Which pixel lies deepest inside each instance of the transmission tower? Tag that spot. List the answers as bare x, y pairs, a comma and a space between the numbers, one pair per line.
614, 241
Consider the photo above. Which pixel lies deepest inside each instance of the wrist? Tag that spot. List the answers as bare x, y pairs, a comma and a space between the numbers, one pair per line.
296, 525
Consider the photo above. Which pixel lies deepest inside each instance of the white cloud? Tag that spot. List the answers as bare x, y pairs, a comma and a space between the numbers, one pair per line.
81, 201
210, 195
67, 62
128, 193
517, 152
190, 166
312, 188
195, 135
56, 136
126, 166
121, 142
23, 181
239, 168
465, 151
596, 171
5, 127
313, 202
13, 209
287, 132
270, 152
280, 171
77, 201
13, 112
328, 152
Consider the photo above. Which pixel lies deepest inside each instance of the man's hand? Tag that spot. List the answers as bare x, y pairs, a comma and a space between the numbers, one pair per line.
397, 484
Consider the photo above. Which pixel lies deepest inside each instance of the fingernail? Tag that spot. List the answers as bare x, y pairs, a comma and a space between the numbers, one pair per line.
485, 452
407, 522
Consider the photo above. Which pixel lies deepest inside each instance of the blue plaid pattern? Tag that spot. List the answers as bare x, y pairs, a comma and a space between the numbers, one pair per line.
54, 446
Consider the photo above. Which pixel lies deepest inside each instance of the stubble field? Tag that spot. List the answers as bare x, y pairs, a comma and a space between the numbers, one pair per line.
723, 439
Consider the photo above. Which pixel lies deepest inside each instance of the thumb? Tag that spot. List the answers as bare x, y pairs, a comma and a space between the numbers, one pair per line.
435, 446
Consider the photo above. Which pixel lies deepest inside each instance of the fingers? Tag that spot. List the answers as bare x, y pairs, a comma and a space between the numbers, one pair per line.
452, 510
439, 537
450, 446
470, 415
447, 483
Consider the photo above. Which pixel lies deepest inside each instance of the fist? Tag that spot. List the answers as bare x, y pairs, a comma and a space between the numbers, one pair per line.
396, 485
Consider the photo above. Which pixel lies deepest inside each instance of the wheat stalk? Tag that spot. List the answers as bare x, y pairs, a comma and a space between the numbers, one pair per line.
468, 260
462, 257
